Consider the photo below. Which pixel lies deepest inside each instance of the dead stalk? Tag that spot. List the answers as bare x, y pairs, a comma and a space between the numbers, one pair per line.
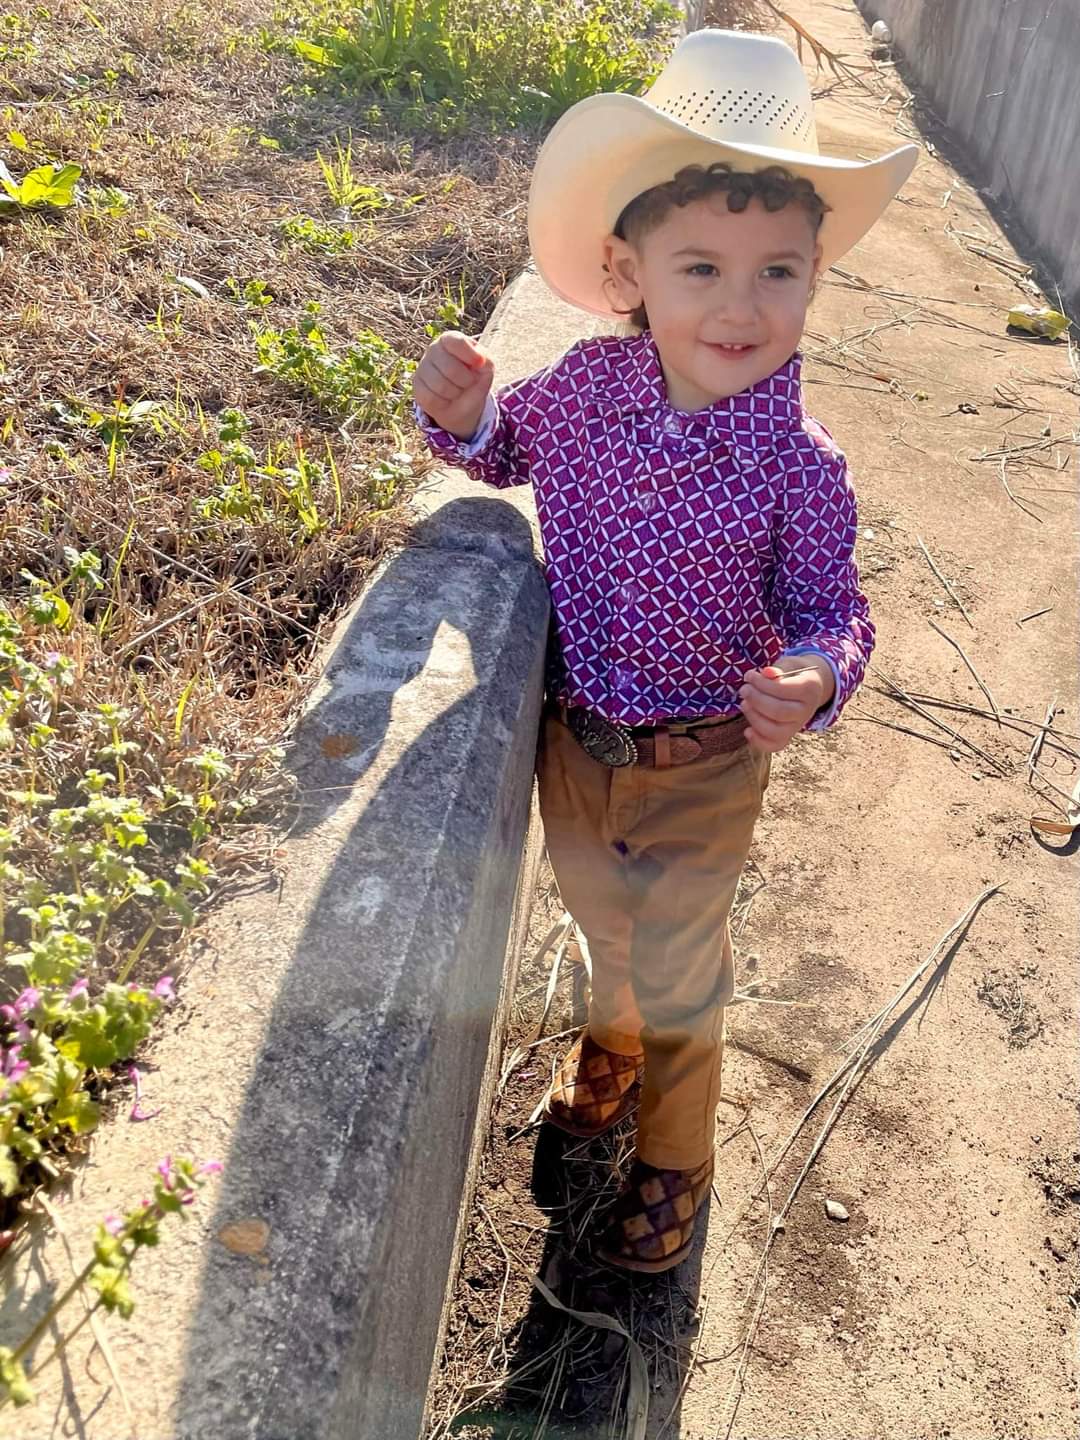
967, 661
948, 588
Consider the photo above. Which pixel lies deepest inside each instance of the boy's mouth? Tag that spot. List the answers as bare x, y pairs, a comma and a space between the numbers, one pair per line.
734, 350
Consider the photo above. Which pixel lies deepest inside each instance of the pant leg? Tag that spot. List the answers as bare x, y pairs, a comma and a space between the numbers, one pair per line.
575, 803
686, 855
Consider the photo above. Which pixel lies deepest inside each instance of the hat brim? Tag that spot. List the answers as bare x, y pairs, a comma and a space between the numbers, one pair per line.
610, 148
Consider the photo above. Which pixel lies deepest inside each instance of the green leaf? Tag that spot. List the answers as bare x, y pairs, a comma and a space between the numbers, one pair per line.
112, 1286
48, 185
10, 1183
18, 140
13, 1379
78, 1112
317, 54
88, 1042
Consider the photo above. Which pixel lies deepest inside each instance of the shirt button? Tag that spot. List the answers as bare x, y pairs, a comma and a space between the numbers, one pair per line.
629, 593
671, 425
647, 501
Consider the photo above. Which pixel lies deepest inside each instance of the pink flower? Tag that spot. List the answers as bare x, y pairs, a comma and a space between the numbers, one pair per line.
164, 988
113, 1224
15, 1014
11, 1067
81, 987
137, 1112
210, 1167
165, 1170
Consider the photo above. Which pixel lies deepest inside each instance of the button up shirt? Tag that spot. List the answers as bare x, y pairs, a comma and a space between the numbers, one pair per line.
682, 549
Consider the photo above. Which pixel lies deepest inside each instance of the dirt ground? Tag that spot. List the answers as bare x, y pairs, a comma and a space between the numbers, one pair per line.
943, 1308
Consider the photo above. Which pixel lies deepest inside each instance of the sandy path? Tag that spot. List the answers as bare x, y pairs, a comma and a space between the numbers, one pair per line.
944, 1305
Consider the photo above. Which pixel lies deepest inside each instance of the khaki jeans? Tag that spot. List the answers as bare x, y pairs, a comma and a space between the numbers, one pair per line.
647, 862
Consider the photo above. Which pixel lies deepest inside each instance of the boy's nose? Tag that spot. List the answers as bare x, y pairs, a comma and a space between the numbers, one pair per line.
737, 306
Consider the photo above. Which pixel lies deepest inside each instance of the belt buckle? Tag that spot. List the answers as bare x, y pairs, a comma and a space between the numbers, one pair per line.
603, 740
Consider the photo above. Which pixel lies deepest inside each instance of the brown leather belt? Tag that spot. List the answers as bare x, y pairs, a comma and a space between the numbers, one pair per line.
664, 747
659, 746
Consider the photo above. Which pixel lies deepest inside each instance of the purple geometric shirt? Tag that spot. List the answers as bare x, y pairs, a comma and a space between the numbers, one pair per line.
681, 549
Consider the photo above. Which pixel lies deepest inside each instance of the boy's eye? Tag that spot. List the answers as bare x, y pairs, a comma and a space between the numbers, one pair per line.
778, 272
702, 268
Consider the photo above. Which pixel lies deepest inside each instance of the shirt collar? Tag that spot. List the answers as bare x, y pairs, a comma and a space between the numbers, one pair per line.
753, 420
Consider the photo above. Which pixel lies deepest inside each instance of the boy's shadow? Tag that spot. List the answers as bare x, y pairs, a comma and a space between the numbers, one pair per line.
567, 1378
574, 1182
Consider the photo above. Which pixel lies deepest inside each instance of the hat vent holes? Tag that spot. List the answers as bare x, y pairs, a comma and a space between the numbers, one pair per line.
754, 106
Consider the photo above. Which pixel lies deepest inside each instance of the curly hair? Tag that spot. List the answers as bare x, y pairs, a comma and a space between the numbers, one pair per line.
774, 186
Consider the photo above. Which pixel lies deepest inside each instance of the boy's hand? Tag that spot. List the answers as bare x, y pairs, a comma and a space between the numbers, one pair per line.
451, 383
779, 704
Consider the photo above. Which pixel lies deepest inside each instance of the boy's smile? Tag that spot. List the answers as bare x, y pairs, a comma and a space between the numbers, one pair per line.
726, 293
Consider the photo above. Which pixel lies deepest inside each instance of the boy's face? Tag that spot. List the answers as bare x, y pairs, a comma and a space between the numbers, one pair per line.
726, 293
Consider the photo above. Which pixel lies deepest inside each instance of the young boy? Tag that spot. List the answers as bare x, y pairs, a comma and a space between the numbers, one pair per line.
698, 530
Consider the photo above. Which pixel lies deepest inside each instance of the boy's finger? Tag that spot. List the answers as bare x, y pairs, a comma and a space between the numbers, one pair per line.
769, 681
768, 736
782, 709
455, 370
462, 348
436, 384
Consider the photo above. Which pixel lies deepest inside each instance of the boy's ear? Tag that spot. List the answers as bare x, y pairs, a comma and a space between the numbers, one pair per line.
621, 264
815, 274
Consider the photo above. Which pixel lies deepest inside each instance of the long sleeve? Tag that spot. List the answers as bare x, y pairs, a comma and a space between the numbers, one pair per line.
499, 452
817, 603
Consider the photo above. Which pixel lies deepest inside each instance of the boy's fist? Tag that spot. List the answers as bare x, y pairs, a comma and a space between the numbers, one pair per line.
451, 383
779, 700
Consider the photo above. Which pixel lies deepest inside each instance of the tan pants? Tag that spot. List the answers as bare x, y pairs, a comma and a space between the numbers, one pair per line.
647, 862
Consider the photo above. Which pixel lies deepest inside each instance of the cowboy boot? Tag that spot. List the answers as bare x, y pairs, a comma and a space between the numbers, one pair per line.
593, 1089
651, 1225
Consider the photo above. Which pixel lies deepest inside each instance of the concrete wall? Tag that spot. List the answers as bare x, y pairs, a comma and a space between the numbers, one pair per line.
1004, 75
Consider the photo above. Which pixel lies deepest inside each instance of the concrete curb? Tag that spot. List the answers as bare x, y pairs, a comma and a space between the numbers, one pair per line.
339, 1037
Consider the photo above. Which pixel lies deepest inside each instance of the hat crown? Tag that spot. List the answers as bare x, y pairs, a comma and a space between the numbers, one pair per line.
741, 88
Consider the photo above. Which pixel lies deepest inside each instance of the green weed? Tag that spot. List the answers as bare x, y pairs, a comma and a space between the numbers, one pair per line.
512, 60
367, 381
48, 187
315, 237
342, 185
96, 858
253, 294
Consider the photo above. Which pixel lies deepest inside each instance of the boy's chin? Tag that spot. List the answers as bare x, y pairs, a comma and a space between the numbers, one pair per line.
716, 374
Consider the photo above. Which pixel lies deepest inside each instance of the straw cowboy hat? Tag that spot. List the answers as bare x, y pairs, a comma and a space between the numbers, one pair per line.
723, 95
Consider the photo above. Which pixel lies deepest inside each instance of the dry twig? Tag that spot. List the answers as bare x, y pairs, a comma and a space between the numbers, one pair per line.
967, 661
948, 588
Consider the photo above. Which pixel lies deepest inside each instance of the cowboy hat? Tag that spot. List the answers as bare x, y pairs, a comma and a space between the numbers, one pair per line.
723, 96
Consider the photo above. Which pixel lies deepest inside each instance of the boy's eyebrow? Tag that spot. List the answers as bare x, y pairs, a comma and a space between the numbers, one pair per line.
706, 254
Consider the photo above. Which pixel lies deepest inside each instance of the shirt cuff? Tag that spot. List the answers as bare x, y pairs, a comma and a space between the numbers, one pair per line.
826, 716
448, 444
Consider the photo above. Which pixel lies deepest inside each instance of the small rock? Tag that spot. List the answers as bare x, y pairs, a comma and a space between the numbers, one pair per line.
880, 33
245, 1237
847, 1337
835, 1211
967, 408
869, 534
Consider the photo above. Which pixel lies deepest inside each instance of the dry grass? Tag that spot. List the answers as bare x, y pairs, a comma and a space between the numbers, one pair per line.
178, 105
207, 619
